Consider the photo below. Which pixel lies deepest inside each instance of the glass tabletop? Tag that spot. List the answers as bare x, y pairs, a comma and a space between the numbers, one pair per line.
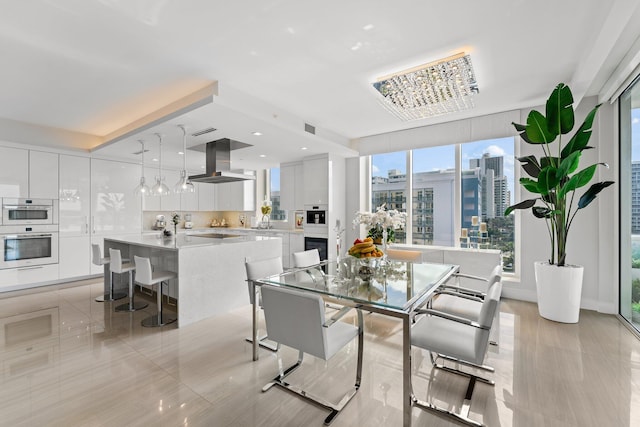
390, 284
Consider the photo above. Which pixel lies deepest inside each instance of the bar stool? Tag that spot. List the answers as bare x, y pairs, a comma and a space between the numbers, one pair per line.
117, 267
146, 277
97, 259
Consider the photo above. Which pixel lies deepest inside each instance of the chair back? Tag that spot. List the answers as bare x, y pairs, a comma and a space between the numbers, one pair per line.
295, 318
259, 270
116, 260
144, 274
487, 314
96, 257
306, 258
404, 255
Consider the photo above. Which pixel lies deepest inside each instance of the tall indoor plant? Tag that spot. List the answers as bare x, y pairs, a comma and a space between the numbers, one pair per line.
554, 178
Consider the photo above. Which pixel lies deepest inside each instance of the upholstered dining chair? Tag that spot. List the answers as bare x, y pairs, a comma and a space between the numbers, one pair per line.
404, 255
260, 269
297, 319
309, 258
458, 340
465, 302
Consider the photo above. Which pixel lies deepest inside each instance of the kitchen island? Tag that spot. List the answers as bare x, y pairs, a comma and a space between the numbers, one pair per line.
210, 268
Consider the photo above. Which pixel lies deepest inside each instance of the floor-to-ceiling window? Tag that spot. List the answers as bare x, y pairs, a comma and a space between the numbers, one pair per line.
630, 204
429, 175
277, 214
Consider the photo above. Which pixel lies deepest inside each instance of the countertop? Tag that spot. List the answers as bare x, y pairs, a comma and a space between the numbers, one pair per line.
230, 230
184, 241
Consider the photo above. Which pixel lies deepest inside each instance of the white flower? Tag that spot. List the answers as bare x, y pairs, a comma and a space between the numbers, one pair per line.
381, 218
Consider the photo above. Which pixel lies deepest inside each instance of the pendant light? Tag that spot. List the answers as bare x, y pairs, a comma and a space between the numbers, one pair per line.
160, 188
184, 185
142, 189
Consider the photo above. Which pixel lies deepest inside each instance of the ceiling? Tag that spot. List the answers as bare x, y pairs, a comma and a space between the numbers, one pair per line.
96, 66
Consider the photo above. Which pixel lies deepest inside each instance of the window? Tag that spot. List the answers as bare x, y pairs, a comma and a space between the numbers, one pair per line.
486, 179
487, 188
277, 214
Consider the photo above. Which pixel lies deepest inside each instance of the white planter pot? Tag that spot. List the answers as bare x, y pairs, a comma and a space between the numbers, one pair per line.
559, 291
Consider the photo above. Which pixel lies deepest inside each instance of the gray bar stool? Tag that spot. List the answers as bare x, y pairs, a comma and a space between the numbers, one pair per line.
146, 277
117, 267
97, 259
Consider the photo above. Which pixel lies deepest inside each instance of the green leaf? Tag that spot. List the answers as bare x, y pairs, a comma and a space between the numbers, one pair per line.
549, 161
530, 184
559, 110
547, 179
591, 193
530, 165
578, 180
537, 131
569, 164
581, 138
526, 204
541, 212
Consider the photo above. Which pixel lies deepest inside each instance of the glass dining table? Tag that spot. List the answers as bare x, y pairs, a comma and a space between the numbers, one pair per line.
392, 288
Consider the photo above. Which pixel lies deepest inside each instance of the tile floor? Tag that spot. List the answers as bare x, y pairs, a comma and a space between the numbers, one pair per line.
69, 361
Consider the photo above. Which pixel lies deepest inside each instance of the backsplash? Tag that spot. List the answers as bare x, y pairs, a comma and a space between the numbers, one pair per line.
199, 219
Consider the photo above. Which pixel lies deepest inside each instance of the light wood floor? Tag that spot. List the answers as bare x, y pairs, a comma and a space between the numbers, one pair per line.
100, 368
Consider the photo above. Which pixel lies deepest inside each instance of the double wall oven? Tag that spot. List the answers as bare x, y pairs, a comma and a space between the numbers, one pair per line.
28, 233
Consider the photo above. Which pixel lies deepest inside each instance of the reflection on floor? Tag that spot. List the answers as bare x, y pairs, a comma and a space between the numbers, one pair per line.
70, 361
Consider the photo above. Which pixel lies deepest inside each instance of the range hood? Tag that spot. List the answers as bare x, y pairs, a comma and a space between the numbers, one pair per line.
218, 163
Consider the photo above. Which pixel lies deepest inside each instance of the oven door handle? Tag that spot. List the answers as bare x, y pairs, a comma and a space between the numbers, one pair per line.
26, 236
27, 208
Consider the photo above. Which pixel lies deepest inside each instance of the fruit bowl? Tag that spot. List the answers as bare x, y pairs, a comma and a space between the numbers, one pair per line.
365, 249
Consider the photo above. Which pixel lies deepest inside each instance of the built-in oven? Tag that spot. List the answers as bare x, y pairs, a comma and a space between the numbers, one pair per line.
28, 211
315, 215
24, 246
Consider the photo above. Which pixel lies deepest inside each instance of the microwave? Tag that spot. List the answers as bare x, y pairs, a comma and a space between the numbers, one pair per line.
28, 211
316, 215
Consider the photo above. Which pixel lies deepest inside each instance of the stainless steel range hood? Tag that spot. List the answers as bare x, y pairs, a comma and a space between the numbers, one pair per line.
218, 163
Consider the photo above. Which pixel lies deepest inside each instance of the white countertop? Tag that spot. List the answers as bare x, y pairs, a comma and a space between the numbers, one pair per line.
184, 241
230, 230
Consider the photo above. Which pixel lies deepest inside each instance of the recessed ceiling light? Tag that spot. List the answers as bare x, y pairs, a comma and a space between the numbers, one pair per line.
368, 27
256, 133
356, 46
263, 155
303, 148
181, 153
154, 160
291, 30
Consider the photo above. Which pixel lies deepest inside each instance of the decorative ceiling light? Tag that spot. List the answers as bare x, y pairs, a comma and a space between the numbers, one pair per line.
142, 189
184, 185
160, 188
428, 90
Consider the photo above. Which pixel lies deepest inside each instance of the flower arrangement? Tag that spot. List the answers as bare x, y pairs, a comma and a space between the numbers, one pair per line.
175, 218
379, 221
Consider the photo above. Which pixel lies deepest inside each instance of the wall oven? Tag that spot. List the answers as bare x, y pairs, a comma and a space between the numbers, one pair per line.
28, 211
24, 246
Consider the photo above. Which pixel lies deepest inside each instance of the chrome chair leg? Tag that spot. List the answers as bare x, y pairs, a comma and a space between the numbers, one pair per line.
111, 296
158, 319
132, 305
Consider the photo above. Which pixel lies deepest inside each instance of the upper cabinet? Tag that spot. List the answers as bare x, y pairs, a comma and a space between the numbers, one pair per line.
292, 186
115, 209
14, 172
43, 175
189, 201
28, 173
207, 194
316, 180
75, 195
236, 196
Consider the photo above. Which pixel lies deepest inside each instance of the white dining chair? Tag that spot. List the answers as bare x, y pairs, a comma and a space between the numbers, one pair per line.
310, 261
297, 319
458, 340
119, 267
145, 276
260, 269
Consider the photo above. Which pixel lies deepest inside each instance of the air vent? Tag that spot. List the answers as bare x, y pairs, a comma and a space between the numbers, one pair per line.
309, 128
140, 152
204, 131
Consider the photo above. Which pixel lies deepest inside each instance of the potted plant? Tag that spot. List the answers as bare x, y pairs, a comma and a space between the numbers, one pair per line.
554, 178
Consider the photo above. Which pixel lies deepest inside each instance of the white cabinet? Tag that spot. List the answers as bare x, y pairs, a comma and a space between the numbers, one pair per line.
75, 196
115, 209
292, 186
207, 196
316, 181
236, 196
296, 244
14, 172
172, 201
75, 256
13, 278
43, 175
150, 203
